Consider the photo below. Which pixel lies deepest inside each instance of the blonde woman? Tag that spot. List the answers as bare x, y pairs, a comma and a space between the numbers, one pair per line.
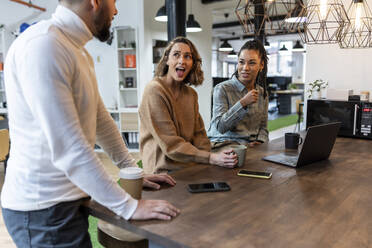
172, 133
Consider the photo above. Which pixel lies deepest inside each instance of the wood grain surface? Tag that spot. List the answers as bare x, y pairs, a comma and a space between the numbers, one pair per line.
325, 204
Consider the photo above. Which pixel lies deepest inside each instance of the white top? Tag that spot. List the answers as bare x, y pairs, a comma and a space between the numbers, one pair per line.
55, 116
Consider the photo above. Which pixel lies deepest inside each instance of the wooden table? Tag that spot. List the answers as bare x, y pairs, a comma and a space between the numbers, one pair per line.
326, 204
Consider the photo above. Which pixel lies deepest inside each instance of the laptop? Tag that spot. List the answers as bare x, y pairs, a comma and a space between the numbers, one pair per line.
317, 146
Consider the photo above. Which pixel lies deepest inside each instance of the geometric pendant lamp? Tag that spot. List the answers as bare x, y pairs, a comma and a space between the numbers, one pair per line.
296, 18
357, 33
245, 13
275, 9
272, 14
324, 21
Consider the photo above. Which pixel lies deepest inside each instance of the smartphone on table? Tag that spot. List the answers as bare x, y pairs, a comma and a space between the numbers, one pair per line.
256, 174
208, 187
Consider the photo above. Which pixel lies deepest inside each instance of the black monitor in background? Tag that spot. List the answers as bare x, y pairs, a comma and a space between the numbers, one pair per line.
217, 80
281, 81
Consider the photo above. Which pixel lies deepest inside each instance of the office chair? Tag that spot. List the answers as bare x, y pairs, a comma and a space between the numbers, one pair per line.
299, 110
4, 147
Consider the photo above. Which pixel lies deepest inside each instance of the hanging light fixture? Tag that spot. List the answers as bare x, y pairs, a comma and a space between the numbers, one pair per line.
283, 49
192, 26
297, 14
245, 14
232, 54
298, 47
357, 33
161, 15
225, 47
324, 21
272, 15
272, 22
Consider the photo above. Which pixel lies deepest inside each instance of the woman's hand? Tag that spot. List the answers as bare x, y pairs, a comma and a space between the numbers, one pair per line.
226, 158
249, 98
155, 209
151, 180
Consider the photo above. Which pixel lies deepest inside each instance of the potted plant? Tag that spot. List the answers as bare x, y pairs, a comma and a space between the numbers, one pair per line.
292, 87
316, 87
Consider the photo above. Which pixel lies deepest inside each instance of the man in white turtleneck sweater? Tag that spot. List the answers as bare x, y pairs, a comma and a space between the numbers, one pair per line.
56, 115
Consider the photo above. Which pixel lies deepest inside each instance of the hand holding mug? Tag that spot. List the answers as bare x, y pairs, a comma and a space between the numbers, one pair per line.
226, 158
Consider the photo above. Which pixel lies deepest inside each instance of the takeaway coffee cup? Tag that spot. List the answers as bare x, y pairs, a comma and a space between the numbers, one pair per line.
240, 152
292, 140
131, 180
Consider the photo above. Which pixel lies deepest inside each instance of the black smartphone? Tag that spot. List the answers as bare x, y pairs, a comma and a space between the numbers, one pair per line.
208, 187
256, 174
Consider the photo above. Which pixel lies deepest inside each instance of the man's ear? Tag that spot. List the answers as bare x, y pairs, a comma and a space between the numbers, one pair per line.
94, 4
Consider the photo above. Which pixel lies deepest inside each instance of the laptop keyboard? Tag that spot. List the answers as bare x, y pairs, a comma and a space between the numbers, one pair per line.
288, 159
282, 158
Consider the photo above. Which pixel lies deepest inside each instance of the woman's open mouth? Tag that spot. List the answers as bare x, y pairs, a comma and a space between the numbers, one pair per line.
180, 72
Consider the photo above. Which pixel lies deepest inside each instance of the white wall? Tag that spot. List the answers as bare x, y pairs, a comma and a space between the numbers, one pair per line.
152, 30
342, 68
12, 14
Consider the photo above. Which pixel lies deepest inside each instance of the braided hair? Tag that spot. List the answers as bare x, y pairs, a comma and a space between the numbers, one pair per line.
257, 46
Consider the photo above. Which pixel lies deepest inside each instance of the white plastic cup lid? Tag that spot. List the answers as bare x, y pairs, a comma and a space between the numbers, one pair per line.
131, 173
238, 147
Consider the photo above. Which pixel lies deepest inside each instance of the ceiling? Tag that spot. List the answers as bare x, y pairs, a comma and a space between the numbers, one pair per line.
223, 11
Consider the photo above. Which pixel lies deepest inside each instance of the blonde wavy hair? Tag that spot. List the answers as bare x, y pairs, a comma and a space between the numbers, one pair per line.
196, 75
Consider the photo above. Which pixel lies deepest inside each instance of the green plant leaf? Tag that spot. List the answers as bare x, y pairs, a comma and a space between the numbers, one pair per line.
139, 163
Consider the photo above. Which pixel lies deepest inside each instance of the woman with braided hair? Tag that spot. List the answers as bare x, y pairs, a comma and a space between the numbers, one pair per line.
240, 104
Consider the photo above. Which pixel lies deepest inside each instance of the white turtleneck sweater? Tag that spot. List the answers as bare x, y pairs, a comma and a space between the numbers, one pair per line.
55, 116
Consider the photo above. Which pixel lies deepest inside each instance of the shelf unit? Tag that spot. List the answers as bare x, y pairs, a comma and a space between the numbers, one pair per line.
125, 111
126, 117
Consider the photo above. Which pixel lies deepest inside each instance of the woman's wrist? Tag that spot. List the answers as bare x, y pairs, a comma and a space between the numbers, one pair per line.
211, 158
243, 103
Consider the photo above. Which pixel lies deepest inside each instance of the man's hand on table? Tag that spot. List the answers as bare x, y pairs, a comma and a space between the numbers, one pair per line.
155, 209
152, 180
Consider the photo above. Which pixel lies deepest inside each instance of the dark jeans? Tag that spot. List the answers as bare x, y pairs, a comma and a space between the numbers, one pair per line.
63, 225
